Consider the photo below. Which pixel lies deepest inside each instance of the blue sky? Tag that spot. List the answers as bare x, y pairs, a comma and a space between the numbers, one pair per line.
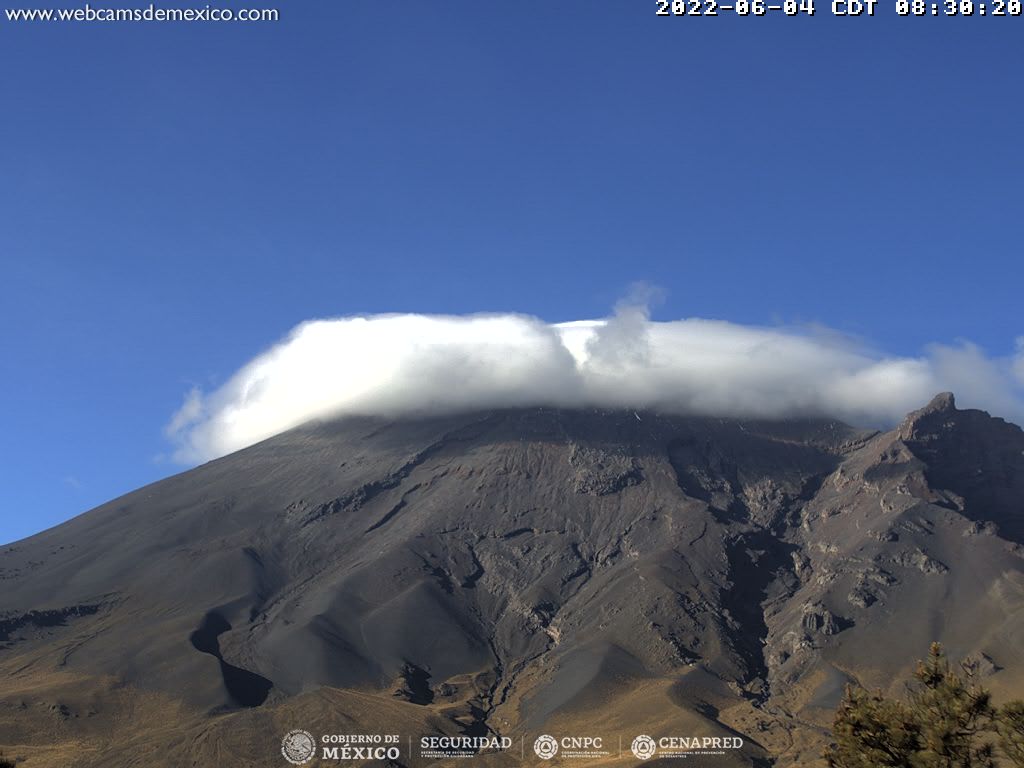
174, 198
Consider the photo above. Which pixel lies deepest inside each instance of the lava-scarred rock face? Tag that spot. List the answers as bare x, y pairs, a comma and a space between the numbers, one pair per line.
515, 573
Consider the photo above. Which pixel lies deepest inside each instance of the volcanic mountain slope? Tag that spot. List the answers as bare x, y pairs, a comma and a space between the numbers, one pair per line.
516, 572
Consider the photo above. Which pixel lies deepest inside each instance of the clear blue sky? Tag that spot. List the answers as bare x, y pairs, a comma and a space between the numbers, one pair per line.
173, 198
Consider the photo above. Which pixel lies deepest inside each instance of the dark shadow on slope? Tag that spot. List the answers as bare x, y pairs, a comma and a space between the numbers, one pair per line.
416, 685
247, 689
757, 560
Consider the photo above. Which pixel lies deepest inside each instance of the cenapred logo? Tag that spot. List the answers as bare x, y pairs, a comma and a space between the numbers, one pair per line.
298, 746
546, 747
643, 747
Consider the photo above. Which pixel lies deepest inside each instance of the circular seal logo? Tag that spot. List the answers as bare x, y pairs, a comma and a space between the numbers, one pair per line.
546, 747
643, 747
298, 747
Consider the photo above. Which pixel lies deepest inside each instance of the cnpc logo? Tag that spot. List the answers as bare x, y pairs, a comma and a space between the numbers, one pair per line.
546, 747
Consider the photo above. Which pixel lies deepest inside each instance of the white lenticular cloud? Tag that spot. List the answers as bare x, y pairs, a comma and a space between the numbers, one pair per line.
394, 365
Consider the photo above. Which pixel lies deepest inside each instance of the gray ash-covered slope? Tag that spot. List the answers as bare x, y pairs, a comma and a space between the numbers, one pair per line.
517, 572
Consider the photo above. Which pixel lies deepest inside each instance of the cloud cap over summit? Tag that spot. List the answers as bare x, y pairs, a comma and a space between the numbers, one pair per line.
422, 364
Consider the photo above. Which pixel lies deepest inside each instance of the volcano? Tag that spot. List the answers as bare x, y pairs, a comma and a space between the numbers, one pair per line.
513, 574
